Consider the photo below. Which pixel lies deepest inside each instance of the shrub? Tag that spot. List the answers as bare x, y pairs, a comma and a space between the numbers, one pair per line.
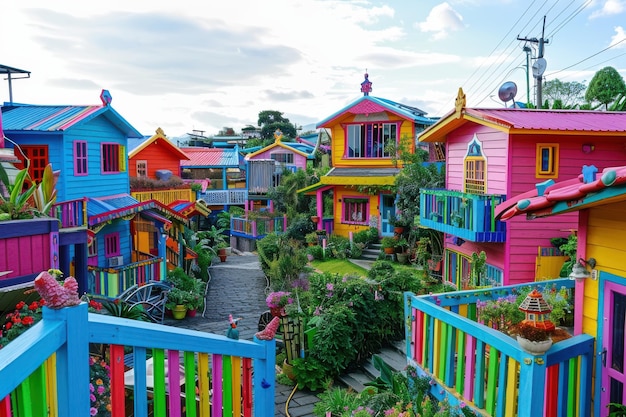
317, 252
532, 333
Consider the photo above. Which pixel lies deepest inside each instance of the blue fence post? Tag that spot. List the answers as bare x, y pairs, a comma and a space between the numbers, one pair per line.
264, 379
532, 382
72, 361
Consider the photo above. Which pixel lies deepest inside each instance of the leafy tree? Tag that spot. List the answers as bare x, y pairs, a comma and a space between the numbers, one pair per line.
605, 86
270, 120
564, 95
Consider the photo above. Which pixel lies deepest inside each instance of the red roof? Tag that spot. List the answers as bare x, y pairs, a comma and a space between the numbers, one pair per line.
210, 157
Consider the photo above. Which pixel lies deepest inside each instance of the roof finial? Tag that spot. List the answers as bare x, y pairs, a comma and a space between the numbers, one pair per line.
366, 86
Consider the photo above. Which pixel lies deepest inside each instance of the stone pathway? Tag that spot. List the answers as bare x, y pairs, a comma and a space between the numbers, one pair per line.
238, 287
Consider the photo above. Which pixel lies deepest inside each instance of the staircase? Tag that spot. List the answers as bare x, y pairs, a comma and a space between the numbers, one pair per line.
393, 356
372, 252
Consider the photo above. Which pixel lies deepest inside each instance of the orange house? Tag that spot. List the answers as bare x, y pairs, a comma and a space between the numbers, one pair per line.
154, 154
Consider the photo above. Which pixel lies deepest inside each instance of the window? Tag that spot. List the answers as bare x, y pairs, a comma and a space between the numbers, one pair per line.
112, 245
113, 158
92, 250
283, 158
475, 168
370, 140
142, 168
547, 160
38, 157
355, 210
80, 157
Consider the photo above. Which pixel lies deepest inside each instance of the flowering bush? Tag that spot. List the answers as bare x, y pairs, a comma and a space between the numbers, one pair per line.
279, 299
99, 387
500, 314
21, 319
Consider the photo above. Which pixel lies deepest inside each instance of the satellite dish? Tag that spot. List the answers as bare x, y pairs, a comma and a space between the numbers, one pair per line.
507, 91
539, 67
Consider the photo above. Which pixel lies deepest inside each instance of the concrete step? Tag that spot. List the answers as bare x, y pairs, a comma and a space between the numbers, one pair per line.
393, 356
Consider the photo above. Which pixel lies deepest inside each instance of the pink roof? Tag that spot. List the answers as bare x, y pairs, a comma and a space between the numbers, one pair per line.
207, 157
557, 120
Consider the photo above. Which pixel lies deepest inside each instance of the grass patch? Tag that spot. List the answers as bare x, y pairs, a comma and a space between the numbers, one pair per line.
339, 266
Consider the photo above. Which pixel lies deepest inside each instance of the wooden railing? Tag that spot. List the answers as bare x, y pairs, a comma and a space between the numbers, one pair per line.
486, 369
111, 282
165, 196
72, 214
468, 216
224, 197
257, 228
45, 371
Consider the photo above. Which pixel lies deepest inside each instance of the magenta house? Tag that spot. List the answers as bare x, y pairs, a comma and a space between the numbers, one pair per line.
496, 154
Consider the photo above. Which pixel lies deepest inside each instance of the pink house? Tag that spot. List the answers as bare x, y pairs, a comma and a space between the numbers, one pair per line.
495, 154
286, 155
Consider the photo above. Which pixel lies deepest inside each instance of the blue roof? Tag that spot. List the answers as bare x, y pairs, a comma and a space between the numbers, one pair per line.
409, 112
36, 118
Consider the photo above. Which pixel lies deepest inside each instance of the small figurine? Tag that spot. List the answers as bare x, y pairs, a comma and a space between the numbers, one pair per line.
232, 332
270, 331
54, 294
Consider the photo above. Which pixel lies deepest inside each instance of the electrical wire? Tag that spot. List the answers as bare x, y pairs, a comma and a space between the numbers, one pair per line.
589, 57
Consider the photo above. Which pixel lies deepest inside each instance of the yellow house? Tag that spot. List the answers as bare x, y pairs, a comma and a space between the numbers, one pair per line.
600, 271
365, 137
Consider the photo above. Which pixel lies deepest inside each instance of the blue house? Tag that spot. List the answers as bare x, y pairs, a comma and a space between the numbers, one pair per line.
87, 145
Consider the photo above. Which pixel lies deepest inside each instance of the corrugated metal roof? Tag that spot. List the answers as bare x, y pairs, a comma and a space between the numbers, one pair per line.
412, 113
558, 120
26, 117
210, 157
363, 172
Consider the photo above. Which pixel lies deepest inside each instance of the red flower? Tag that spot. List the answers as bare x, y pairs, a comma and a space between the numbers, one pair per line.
27, 321
33, 306
20, 305
42, 302
8, 325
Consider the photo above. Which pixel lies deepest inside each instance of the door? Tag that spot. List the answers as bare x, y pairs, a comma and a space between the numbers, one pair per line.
387, 211
613, 341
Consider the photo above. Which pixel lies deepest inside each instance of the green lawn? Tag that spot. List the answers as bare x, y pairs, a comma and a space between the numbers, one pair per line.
339, 266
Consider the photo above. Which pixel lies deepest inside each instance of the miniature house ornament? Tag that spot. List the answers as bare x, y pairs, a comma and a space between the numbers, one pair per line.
536, 310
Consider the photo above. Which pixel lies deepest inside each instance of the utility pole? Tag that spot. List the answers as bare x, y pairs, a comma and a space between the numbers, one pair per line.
540, 64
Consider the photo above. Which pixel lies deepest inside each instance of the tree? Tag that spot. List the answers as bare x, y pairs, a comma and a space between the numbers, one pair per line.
270, 121
564, 95
605, 86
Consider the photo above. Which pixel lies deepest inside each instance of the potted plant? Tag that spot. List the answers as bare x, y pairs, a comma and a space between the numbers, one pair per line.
277, 301
388, 244
533, 340
195, 298
402, 247
177, 302
311, 238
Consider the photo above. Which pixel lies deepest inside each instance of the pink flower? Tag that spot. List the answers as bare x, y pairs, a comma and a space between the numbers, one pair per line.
93, 411
92, 397
101, 389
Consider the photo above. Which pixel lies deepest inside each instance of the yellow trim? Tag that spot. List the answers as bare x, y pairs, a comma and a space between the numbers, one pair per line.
160, 135
273, 145
324, 181
553, 160
475, 159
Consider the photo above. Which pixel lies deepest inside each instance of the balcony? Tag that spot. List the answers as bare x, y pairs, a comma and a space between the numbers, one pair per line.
72, 214
468, 216
111, 282
258, 227
236, 196
486, 369
165, 196
45, 371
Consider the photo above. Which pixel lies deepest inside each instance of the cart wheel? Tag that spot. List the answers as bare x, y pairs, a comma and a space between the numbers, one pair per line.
265, 319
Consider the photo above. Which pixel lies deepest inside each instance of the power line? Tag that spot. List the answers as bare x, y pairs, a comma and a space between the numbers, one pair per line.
591, 56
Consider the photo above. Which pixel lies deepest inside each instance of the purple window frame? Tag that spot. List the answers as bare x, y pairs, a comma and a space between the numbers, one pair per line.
347, 207
112, 245
81, 163
110, 158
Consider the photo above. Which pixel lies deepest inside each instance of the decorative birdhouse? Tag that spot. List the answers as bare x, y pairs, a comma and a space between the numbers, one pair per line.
536, 310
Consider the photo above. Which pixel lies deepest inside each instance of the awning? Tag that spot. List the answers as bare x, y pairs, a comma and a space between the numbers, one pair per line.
104, 209
354, 176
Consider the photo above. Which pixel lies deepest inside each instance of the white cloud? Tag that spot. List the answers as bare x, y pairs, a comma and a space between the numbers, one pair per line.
441, 20
619, 37
609, 8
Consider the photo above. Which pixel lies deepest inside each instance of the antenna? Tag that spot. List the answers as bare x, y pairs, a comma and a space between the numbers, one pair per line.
507, 91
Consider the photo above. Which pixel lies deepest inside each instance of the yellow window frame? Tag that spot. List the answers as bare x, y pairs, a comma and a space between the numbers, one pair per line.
477, 178
547, 160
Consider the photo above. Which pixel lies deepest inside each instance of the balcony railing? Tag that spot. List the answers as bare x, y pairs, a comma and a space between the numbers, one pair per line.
468, 216
165, 196
45, 371
486, 369
72, 214
237, 196
111, 282
257, 228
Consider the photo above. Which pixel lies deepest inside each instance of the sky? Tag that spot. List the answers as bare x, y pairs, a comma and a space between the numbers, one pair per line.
204, 65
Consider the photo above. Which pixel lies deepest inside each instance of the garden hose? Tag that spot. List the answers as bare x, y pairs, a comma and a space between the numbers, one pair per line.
289, 399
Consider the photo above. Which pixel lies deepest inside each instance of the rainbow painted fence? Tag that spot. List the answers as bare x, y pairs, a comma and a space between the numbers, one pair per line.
45, 372
487, 370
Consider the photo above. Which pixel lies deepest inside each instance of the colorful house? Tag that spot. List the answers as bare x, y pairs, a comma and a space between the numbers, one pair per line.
599, 196
365, 137
493, 154
87, 145
153, 156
